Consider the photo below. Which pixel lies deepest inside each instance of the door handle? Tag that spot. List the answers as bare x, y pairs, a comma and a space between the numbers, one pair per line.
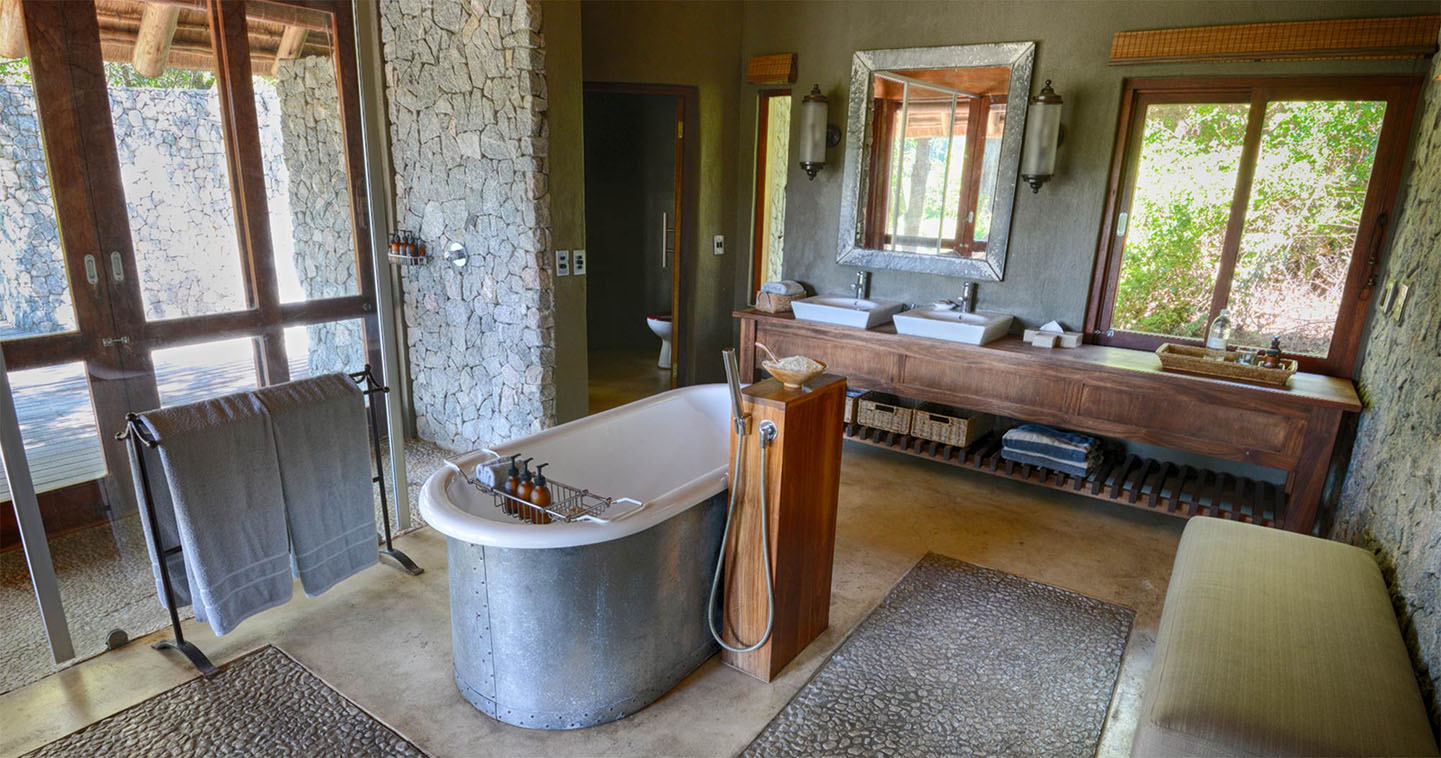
92, 272
117, 266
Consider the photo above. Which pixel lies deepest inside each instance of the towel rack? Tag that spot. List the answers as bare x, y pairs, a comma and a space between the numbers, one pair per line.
136, 434
371, 386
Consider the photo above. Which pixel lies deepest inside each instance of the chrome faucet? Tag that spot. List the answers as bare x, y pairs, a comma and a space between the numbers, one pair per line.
968, 298
862, 287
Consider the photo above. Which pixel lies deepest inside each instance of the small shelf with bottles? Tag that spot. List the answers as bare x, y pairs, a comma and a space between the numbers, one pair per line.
407, 249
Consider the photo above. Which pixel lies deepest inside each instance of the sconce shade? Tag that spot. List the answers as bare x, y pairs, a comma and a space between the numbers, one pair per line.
1043, 132
812, 147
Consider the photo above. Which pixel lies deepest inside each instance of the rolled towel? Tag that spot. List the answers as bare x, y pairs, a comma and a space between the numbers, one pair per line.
493, 473
1036, 439
783, 287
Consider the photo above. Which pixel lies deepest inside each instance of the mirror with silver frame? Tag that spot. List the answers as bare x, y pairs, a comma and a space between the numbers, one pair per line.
933, 149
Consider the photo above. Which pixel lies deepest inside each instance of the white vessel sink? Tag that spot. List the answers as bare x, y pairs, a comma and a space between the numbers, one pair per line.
844, 310
971, 328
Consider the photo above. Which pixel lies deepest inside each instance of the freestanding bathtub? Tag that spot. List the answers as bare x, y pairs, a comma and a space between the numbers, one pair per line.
569, 625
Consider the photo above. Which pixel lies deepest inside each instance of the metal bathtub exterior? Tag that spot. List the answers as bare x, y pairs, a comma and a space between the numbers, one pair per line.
571, 637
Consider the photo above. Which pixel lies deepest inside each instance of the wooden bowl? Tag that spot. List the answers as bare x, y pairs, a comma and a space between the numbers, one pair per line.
792, 379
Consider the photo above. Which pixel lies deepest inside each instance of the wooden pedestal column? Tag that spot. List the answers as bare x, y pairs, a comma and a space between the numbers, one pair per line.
803, 484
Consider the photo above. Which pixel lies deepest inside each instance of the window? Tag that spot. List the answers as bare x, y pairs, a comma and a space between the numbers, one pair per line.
938, 140
773, 144
1267, 197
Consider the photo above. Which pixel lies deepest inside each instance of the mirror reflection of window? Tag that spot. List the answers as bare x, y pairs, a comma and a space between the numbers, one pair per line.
937, 139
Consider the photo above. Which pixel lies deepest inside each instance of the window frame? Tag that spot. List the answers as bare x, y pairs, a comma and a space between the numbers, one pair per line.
1399, 93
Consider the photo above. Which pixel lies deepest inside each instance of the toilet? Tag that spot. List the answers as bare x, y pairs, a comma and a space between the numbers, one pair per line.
660, 325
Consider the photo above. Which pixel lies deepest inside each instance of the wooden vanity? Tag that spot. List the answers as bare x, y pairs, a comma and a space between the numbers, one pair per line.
1107, 391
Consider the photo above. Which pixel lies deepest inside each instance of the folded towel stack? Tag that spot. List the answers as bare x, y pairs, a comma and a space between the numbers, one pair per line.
783, 287
1037, 445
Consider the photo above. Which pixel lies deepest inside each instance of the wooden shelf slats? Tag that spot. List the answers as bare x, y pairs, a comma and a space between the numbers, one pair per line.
1147, 483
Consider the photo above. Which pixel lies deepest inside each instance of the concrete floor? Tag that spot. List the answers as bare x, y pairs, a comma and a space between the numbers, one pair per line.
620, 376
383, 638
106, 582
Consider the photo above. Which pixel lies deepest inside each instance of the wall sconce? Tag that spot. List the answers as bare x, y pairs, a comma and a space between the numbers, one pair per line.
816, 133
1043, 137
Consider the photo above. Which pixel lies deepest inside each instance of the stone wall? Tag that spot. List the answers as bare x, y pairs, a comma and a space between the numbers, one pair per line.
177, 193
33, 297
323, 246
466, 90
1391, 501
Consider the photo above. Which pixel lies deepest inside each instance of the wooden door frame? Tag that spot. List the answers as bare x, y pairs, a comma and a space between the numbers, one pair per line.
687, 200
72, 100
758, 225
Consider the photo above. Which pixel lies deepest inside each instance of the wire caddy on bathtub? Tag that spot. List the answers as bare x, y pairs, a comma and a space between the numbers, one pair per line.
567, 503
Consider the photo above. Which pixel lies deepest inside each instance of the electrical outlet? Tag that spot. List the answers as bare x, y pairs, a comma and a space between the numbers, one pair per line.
562, 263
577, 262
720, 244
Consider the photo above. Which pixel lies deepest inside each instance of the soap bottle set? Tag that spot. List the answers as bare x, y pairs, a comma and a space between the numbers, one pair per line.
524, 486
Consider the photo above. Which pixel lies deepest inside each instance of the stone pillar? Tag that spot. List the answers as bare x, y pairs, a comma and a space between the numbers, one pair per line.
466, 90
320, 235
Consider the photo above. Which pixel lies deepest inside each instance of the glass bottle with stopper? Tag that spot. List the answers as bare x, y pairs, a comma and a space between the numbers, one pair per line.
1220, 334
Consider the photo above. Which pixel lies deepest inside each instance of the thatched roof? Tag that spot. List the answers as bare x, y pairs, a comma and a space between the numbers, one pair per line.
275, 31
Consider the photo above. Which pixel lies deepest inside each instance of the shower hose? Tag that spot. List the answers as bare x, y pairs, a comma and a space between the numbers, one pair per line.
765, 549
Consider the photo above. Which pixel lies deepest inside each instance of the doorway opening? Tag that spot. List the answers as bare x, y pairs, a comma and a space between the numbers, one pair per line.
638, 232
773, 146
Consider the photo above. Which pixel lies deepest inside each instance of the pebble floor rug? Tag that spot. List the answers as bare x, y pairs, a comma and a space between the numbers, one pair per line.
962, 660
261, 704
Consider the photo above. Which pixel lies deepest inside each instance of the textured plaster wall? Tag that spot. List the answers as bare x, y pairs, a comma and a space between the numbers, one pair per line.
1391, 502
696, 44
1054, 233
561, 29
465, 83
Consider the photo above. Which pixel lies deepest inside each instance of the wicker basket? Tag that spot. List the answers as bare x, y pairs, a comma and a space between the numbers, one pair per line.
949, 425
880, 410
1221, 365
773, 303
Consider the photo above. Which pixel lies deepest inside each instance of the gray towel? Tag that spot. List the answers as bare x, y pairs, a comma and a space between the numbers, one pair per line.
321, 440
220, 464
165, 516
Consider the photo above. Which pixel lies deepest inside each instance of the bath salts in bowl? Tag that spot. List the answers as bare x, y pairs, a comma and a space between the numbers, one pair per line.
794, 371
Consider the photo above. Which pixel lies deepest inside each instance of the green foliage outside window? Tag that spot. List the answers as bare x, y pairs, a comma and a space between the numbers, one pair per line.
1312, 173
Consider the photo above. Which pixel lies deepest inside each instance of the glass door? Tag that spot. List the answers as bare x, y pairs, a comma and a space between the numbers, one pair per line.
202, 235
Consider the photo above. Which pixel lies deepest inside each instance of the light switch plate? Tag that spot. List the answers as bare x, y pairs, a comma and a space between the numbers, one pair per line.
720, 244
562, 263
577, 262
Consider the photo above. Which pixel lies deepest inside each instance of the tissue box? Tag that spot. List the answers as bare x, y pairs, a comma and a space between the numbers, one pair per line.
1052, 339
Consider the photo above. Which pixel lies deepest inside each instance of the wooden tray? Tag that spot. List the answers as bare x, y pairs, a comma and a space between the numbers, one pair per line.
1221, 364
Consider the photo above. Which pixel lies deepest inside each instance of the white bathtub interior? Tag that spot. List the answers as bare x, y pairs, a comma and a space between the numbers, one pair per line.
664, 452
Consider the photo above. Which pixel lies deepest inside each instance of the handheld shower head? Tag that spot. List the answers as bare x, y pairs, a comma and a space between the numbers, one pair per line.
738, 417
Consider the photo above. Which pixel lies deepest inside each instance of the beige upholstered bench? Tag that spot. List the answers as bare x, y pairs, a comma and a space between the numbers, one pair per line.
1273, 643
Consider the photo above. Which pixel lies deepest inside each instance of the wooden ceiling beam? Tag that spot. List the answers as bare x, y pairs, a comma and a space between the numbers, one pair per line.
12, 30
292, 41
152, 42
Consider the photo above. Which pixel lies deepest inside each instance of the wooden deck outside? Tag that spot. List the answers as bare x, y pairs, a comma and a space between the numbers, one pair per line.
58, 421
